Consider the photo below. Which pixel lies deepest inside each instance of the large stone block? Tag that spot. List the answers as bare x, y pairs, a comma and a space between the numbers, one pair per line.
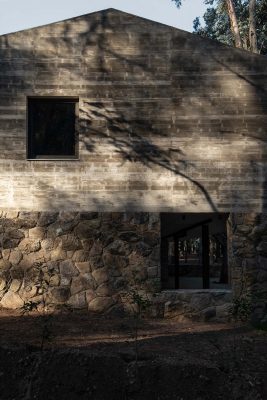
81, 256
2, 283
83, 267
37, 233
100, 275
58, 254
59, 294
87, 228
15, 285
78, 301
67, 268
114, 261
96, 249
82, 283
100, 304
27, 246
200, 301
70, 242
15, 257
11, 300
5, 265
118, 247
47, 218
223, 311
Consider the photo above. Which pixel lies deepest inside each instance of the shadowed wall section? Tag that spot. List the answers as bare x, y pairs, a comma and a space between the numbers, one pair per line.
168, 121
80, 260
95, 261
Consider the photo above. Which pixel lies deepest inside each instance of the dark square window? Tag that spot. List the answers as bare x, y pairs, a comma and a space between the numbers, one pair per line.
194, 251
51, 128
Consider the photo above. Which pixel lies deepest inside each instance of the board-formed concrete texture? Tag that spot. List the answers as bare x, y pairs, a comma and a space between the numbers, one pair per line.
168, 122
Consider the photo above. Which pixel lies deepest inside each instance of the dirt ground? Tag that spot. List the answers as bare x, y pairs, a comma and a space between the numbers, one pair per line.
80, 356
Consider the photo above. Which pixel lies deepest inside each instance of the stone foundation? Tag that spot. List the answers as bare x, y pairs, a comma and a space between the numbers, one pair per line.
198, 305
96, 261
81, 260
247, 237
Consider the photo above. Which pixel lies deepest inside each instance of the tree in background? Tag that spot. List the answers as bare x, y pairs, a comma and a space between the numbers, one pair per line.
233, 21
239, 23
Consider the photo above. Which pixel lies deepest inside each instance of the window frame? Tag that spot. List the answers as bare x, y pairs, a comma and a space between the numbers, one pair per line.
29, 150
205, 265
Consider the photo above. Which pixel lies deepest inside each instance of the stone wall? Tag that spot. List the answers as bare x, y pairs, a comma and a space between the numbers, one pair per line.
247, 259
94, 261
82, 260
247, 236
198, 305
168, 121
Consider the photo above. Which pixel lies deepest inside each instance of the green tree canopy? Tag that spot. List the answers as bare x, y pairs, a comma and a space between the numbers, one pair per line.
218, 25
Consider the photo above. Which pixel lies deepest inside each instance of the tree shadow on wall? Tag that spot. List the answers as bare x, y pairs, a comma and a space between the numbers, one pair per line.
156, 135
137, 131
148, 97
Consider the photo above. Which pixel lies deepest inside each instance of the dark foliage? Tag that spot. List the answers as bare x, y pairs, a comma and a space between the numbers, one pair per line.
217, 24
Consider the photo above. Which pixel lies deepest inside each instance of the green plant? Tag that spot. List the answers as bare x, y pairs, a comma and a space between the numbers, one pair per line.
260, 326
42, 283
29, 306
242, 307
139, 305
47, 335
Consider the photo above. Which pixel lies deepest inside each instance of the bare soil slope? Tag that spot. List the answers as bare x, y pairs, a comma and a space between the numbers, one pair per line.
80, 356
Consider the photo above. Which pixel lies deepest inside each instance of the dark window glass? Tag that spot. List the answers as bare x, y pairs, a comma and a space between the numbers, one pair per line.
194, 251
51, 128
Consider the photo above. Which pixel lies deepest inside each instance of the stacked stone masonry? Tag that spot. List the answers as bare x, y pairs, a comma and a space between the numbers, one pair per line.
248, 260
82, 260
167, 122
94, 261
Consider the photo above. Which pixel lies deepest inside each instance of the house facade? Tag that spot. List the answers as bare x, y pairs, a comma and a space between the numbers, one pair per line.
132, 159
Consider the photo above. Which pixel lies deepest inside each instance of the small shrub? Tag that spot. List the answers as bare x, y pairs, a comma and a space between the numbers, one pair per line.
242, 307
140, 302
29, 306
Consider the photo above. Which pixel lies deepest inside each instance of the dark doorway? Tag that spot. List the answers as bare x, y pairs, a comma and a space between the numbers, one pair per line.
194, 251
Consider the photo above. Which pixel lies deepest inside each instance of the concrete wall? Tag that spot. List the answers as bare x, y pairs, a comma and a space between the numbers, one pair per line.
168, 121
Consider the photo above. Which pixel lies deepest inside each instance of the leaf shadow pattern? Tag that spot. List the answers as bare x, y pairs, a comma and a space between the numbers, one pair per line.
146, 90
134, 147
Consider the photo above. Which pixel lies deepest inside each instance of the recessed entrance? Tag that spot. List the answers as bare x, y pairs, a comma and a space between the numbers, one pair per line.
194, 251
